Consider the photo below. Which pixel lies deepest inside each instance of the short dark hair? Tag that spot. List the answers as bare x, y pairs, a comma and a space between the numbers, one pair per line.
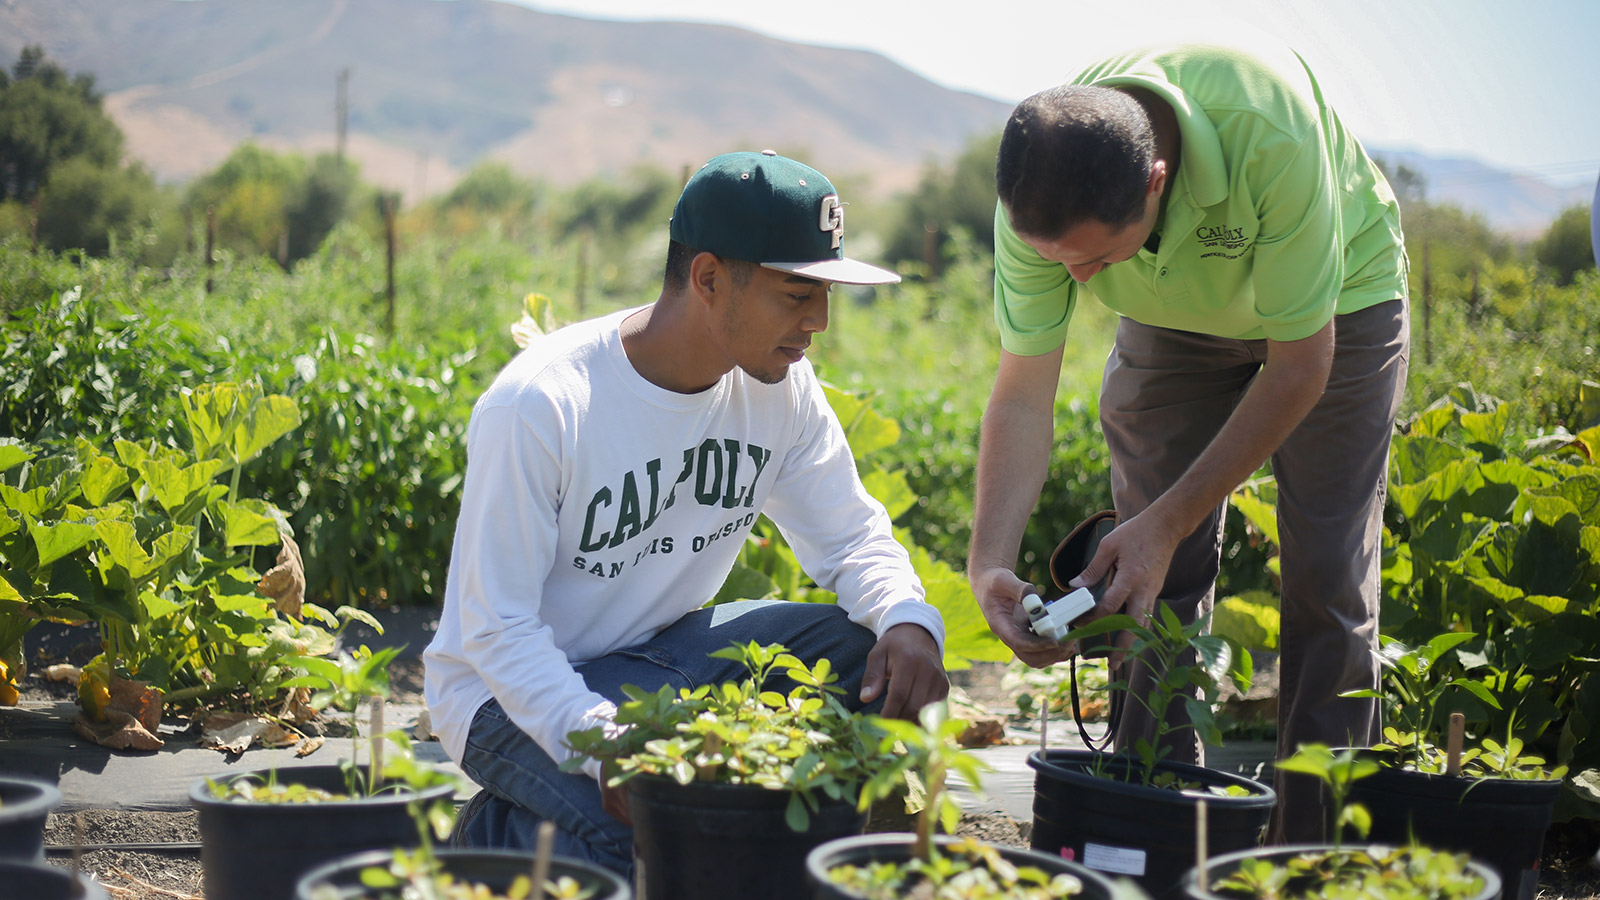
679, 255
1072, 154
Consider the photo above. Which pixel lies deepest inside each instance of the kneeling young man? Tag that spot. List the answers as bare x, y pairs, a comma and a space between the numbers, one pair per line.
614, 470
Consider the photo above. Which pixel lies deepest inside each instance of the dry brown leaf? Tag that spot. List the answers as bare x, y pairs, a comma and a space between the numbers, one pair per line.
120, 731
63, 672
983, 731
285, 582
309, 746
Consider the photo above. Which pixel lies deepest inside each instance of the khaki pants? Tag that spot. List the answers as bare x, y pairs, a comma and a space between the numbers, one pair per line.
1165, 396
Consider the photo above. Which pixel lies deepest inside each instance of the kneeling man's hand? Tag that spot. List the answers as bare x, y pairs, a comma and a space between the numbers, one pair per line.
906, 663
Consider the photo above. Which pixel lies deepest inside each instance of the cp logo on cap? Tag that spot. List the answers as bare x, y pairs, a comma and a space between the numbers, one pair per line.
832, 218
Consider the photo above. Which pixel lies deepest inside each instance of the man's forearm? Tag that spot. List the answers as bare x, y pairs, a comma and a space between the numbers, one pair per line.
1013, 458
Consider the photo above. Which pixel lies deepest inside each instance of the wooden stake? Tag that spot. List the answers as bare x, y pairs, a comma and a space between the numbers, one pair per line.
376, 736
1200, 849
541, 856
1458, 726
1044, 724
638, 878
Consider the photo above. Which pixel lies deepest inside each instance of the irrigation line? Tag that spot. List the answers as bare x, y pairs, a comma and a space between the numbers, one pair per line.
173, 847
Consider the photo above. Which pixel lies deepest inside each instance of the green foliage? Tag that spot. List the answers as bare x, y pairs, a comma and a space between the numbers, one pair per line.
767, 567
1500, 540
1394, 873
1338, 771
145, 542
949, 199
1566, 247
86, 205
324, 198
966, 869
804, 742
46, 119
491, 188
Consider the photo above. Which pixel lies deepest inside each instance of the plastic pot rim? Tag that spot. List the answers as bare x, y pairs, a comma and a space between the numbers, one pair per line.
817, 864
200, 791
1260, 795
89, 889
48, 797
619, 888
1190, 883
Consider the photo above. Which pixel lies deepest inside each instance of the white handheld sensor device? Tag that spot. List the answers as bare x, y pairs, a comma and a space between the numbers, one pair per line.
1054, 619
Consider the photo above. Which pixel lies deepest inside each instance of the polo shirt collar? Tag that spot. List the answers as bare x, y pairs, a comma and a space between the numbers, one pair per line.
1203, 166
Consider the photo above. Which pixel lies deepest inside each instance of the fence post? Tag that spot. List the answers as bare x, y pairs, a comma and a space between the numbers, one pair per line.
211, 239
388, 236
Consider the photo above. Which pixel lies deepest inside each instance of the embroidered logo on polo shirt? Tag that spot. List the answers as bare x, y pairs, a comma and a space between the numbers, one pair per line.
1225, 241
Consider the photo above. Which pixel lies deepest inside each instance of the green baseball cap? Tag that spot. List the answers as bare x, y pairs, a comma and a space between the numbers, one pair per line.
769, 209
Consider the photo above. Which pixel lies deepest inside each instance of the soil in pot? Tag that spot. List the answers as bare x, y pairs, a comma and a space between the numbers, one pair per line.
37, 881
1305, 871
704, 840
1116, 825
257, 851
496, 870
1499, 821
1066, 879
25, 804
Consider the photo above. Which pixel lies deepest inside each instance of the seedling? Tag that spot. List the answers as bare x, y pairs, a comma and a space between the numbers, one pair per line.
1339, 873
963, 870
1164, 640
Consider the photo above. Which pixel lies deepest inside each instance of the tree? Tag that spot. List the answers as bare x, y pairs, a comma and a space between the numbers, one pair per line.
492, 188
86, 204
1565, 248
46, 119
962, 196
323, 199
248, 194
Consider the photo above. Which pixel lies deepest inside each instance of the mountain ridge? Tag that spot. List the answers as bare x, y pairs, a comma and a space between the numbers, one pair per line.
436, 86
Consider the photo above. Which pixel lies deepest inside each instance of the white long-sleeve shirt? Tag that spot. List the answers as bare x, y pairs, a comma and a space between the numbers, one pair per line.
599, 508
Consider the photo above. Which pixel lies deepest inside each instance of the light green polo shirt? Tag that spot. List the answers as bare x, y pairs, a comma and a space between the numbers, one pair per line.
1277, 219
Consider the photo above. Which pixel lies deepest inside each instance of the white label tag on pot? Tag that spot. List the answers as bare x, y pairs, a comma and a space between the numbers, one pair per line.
1121, 860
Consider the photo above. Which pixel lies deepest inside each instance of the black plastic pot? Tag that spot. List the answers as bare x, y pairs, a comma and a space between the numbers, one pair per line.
37, 881
257, 851
1120, 827
704, 840
1222, 866
25, 804
1499, 821
896, 847
495, 869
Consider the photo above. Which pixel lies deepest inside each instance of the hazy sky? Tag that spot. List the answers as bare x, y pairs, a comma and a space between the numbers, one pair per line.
1513, 84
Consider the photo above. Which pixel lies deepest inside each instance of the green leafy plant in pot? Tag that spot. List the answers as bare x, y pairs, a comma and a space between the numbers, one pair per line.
1486, 797
1340, 871
893, 865
428, 874
729, 786
261, 830
1133, 812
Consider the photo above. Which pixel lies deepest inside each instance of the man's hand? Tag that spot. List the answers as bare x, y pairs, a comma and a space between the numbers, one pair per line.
906, 662
1137, 554
999, 592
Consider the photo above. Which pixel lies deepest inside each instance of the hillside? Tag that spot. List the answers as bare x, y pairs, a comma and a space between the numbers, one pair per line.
435, 86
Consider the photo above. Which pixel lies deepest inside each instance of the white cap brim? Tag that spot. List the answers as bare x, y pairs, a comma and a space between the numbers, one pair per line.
843, 271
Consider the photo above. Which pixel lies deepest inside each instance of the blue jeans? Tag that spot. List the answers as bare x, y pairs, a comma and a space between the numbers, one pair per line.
523, 786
